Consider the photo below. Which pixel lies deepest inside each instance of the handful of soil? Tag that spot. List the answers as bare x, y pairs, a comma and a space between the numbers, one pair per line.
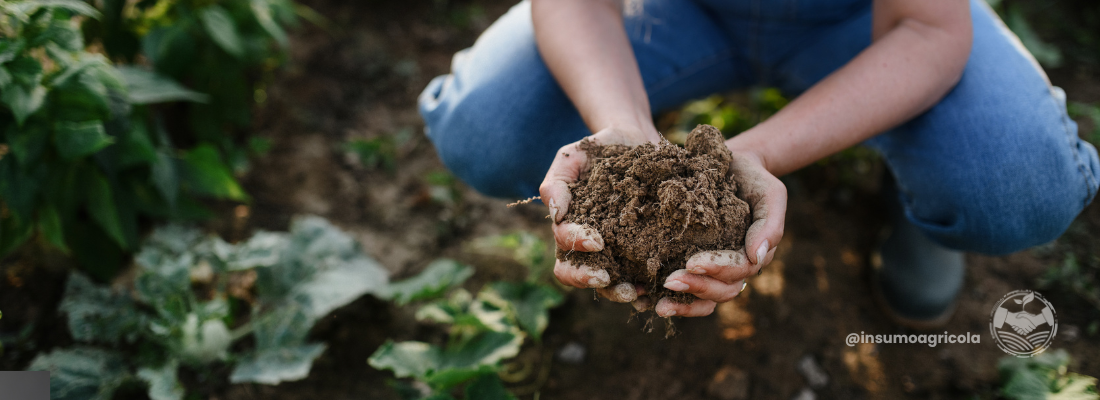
655, 206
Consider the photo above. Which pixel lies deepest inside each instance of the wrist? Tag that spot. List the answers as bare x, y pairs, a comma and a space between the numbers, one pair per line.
634, 130
739, 146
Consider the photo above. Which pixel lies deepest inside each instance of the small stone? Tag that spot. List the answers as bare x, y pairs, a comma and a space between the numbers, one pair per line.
572, 353
814, 374
729, 383
805, 394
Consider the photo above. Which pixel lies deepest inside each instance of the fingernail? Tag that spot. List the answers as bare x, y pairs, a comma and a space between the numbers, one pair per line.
592, 245
598, 278
670, 313
762, 252
553, 211
697, 270
625, 292
676, 286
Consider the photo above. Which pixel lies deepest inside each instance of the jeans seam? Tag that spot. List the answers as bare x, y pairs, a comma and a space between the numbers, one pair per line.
1071, 139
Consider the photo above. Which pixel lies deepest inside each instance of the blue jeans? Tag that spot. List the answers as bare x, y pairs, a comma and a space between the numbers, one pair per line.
995, 167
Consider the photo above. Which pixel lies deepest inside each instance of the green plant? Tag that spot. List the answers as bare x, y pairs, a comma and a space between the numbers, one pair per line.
185, 310
227, 49
730, 114
80, 162
1044, 377
483, 330
376, 152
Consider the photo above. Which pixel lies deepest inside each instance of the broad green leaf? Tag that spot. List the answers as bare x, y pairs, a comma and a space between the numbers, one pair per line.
530, 302
26, 71
64, 35
10, 48
272, 366
488, 387
439, 276
406, 359
286, 325
146, 87
263, 249
22, 101
167, 289
477, 355
96, 314
13, 233
445, 379
82, 373
219, 25
28, 142
205, 173
163, 382
206, 341
1044, 377
135, 146
101, 204
25, 8
446, 311
340, 283
166, 177
314, 243
486, 348
79, 139
49, 223
20, 187
5, 77
262, 11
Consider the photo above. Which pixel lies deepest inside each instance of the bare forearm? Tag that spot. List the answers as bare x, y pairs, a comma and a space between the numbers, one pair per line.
584, 45
908, 68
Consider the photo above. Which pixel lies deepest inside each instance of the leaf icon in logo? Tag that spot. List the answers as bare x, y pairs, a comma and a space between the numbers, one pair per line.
1018, 301
1028, 298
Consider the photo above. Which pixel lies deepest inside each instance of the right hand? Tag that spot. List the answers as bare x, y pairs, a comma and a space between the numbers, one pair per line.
568, 164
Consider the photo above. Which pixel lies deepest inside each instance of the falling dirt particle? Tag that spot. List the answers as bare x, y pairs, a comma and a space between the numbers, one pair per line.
656, 205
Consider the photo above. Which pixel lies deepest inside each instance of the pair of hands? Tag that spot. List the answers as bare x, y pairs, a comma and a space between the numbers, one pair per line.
713, 276
1024, 322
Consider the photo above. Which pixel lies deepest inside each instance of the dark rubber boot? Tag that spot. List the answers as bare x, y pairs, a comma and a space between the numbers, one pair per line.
917, 280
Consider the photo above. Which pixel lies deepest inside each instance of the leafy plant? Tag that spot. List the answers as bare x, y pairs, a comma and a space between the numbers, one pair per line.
375, 152
226, 49
180, 310
1044, 377
483, 331
84, 155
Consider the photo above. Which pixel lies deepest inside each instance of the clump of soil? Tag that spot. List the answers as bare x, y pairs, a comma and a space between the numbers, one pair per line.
655, 206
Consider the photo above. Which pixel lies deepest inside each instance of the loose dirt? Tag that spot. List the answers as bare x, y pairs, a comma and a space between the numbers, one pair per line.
655, 205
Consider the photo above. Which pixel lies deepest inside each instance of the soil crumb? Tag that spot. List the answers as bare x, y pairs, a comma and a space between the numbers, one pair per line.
655, 206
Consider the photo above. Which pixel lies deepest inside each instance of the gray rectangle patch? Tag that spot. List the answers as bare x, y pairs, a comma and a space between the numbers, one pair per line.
25, 385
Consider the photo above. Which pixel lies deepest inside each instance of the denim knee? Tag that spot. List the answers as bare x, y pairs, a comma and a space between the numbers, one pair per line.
1007, 207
